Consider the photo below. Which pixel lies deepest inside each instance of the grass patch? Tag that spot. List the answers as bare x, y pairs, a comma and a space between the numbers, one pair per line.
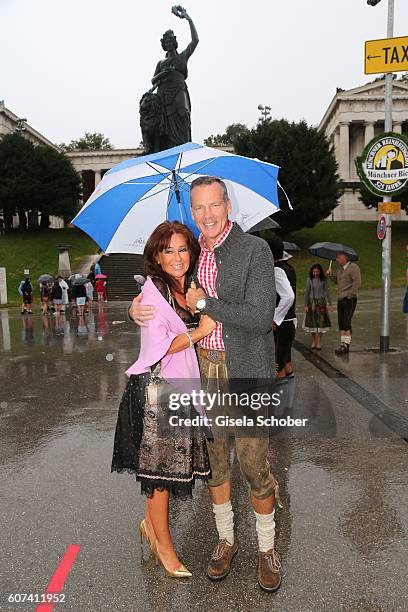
38, 252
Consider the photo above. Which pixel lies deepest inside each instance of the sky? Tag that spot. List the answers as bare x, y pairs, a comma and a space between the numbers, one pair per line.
79, 66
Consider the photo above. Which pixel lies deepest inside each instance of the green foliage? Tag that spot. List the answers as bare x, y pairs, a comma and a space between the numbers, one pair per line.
94, 141
228, 138
308, 169
36, 178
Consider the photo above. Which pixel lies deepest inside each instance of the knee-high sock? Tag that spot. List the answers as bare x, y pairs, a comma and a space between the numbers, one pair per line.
224, 520
265, 528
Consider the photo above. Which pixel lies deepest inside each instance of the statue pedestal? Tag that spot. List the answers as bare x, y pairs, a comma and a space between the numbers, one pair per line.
64, 265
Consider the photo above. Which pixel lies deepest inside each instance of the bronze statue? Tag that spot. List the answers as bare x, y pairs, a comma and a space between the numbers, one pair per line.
165, 116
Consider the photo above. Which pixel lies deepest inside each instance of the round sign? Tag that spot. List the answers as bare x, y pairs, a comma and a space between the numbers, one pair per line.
383, 165
382, 227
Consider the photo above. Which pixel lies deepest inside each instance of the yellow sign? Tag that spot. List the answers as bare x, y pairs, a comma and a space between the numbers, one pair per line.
386, 55
389, 208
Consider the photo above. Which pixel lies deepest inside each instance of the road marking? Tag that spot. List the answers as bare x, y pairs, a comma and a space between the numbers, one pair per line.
397, 423
60, 575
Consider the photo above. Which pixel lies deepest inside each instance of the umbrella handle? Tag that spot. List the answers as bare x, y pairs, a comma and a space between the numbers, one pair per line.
330, 266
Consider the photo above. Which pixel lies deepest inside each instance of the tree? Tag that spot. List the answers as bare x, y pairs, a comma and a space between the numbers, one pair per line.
36, 179
308, 169
232, 132
90, 142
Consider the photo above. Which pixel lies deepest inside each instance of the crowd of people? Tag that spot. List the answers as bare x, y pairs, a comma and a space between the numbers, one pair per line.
57, 294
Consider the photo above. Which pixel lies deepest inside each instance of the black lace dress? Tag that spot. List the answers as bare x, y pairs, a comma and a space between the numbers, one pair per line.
171, 463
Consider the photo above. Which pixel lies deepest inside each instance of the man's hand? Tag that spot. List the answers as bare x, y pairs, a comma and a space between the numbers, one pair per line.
192, 297
140, 313
329, 272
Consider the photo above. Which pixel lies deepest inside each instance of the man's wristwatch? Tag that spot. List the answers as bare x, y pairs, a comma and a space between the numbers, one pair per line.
201, 304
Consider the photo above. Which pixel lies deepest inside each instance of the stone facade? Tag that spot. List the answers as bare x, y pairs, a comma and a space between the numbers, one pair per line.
353, 118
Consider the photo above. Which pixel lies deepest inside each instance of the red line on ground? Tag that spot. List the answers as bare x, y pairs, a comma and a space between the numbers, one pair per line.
60, 575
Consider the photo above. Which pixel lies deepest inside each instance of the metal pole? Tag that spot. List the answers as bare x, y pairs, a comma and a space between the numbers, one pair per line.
386, 242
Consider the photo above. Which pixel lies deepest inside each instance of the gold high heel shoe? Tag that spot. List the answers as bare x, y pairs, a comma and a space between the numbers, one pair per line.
144, 534
180, 572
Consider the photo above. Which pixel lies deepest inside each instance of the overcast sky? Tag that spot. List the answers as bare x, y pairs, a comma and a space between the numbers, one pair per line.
82, 65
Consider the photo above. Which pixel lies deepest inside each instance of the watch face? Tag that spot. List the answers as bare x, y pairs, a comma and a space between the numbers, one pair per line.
201, 304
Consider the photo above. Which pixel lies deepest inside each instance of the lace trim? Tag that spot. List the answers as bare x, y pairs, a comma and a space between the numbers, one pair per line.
173, 479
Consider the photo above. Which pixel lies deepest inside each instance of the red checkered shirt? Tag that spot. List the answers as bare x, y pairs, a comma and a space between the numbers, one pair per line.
207, 276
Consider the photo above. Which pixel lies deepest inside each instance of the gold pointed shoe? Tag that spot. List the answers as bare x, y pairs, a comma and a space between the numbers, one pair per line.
144, 536
180, 572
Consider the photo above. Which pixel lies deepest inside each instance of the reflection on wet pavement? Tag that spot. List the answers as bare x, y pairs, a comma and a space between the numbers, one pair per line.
342, 533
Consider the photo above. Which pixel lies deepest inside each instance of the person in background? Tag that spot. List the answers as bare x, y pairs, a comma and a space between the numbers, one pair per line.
348, 280
316, 300
25, 289
79, 293
89, 296
284, 321
64, 286
100, 287
44, 296
97, 268
56, 296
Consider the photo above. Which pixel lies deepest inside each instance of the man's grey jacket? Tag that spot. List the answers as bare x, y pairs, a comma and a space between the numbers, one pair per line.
246, 304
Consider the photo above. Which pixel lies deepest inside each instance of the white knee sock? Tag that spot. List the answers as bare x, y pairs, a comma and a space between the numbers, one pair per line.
224, 520
346, 340
265, 528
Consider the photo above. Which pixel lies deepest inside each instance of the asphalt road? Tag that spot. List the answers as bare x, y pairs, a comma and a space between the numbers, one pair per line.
342, 533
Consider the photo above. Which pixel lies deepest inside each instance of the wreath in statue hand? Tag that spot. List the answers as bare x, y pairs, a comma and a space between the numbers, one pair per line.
179, 11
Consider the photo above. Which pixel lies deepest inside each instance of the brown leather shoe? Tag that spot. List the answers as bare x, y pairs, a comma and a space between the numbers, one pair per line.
343, 349
220, 563
269, 566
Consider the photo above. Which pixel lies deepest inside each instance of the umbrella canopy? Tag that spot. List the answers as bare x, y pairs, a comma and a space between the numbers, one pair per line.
291, 246
100, 276
265, 224
82, 280
45, 278
73, 277
329, 250
138, 194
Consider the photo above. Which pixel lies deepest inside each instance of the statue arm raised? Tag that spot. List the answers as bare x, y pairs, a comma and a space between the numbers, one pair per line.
181, 12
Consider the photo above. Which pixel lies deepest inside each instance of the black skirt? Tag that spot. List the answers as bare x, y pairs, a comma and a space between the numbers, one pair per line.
171, 463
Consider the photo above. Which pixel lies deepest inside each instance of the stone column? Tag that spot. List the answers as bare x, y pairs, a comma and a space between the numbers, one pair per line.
98, 177
397, 128
369, 132
64, 265
344, 151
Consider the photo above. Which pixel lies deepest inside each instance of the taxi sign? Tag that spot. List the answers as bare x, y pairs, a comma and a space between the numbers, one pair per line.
386, 55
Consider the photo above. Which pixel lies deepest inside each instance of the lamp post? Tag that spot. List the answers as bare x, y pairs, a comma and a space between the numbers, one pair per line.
265, 112
386, 242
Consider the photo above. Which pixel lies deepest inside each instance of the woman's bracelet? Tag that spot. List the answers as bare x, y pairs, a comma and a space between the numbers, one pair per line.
189, 336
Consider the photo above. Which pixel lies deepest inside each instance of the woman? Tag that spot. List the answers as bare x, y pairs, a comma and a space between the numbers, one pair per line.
56, 297
170, 79
45, 294
163, 464
316, 300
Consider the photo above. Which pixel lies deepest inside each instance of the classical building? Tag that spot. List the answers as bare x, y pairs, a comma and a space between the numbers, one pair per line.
353, 118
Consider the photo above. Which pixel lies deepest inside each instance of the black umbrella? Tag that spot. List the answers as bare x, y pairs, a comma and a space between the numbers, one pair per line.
265, 224
329, 250
45, 278
291, 246
82, 280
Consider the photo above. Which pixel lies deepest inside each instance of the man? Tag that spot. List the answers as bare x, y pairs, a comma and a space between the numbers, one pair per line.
236, 274
348, 280
285, 313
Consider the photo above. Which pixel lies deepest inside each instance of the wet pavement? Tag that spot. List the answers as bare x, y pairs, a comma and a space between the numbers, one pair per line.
342, 533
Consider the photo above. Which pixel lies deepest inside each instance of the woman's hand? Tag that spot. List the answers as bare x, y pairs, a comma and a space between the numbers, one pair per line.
206, 325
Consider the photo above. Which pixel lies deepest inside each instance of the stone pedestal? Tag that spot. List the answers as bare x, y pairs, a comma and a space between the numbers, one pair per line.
64, 265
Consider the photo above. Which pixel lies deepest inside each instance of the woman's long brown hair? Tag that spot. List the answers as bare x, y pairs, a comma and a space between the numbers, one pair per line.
160, 240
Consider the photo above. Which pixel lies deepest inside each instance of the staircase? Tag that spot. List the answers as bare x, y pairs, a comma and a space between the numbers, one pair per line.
120, 270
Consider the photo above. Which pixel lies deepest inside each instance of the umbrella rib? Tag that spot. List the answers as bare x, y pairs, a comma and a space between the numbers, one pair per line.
153, 194
158, 171
197, 171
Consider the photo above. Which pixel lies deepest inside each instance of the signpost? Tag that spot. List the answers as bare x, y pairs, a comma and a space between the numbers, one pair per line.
386, 55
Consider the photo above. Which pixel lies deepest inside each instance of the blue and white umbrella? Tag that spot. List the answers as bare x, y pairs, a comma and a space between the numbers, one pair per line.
138, 194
